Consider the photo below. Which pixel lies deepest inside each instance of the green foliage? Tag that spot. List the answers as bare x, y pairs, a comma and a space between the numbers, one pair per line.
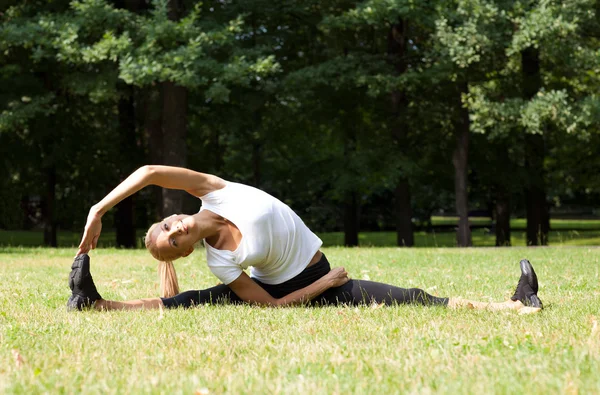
19, 114
296, 97
471, 33
548, 23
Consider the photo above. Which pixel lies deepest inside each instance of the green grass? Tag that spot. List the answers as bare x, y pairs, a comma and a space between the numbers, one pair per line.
242, 349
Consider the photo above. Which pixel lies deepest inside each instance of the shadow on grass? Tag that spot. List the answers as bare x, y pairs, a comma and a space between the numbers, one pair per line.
481, 238
11, 241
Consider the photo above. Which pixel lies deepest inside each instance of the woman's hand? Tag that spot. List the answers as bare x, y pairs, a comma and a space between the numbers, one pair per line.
93, 227
337, 277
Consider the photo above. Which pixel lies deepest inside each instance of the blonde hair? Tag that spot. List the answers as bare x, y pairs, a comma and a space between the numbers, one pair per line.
169, 286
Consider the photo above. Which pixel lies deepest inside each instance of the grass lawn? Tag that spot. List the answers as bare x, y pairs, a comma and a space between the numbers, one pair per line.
242, 349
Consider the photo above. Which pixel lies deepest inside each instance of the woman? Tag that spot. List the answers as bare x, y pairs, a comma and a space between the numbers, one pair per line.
245, 227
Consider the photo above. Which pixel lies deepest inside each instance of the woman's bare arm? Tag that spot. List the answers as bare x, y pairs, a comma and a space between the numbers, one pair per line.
193, 182
251, 292
198, 184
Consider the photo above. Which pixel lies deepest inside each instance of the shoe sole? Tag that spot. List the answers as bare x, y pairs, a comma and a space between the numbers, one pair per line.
79, 269
75, 303
527, 271
82, 262
535, 302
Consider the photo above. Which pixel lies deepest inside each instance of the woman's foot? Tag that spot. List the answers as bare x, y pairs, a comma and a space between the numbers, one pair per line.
527, 287
82, 285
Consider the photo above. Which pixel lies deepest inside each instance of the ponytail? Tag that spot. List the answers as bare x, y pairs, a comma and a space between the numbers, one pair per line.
167, 276
169, 286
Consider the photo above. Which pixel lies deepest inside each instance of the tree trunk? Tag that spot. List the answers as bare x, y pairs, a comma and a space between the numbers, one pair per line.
152, 108
402, 205
501, 190
351, 220
133, 5
124, 213
538, 217
460, 162
124, 223
351, 204
174, 128
257, 147
256, 157
502, 209
48, 208
27, 223
175, 9
217, 149
403, 211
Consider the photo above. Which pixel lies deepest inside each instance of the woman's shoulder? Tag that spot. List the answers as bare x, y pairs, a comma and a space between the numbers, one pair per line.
236, 190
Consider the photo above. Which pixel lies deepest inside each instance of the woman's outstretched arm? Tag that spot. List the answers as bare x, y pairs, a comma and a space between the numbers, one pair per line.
195, 183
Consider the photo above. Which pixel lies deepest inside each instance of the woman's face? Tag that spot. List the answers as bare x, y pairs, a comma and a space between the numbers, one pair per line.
173, 237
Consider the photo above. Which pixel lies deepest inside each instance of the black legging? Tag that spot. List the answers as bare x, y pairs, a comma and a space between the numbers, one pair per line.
354, 292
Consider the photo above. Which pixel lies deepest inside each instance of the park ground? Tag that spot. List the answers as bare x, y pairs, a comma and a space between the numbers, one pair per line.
243, 349
564, 232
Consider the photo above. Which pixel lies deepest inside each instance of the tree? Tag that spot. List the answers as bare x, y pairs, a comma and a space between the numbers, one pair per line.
45, 109
540, 94
398, 41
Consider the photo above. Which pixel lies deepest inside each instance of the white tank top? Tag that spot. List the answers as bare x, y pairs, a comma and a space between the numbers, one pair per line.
275, 242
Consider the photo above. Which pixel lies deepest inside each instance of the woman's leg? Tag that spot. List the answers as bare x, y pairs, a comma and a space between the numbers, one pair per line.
138, 304
85, 294
357, 292
456, 303
218, 294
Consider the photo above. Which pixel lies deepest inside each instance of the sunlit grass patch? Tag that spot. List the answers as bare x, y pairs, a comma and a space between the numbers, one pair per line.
242, 349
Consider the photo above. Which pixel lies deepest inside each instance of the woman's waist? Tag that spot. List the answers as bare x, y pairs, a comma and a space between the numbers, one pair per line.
276, 271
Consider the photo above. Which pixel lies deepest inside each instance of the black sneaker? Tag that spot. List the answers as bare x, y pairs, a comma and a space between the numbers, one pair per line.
527, 287
82, 285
